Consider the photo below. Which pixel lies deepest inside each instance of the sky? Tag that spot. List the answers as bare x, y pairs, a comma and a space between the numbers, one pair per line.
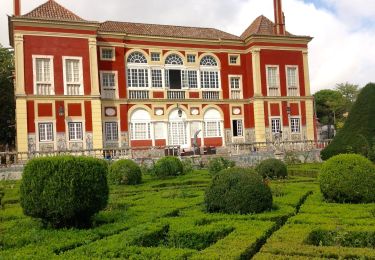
343, 48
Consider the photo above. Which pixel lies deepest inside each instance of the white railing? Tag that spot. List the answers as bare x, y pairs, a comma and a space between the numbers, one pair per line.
73, 89
139, 94
44, 89
293, 92
273, 92
235, 94
211, 95
109, 93
175, 94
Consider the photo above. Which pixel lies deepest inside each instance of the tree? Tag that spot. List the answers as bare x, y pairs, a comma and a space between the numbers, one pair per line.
330, 105
349, 91
7, 100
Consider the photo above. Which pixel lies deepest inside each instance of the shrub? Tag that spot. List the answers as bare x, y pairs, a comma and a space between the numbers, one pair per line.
238, 190
124, 172
272, 168
217, 164
168, 166
2, 193
348, 178
188, 165
359, 129
64, 190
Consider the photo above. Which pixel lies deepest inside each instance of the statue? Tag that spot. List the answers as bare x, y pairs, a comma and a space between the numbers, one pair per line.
195, 142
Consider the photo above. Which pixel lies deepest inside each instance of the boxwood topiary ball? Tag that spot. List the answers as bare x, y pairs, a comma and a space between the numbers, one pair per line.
348, 178
168, 166
124, 172
272, 168
238, 190
64, 191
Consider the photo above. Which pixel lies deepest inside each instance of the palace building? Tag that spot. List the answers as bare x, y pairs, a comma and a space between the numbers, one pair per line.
92, 85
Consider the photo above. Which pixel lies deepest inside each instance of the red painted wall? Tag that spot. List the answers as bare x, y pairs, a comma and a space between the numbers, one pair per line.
294, 109
266, 114
285, 113
57, 47
158, 94
225, 109
193, 94
303, 112
214, 141
60, 120
275, 109
141, 143
249, 116
45, 110
124, 117
160, 142
30, 117
88, 116
74, 109
281, 58
117, 65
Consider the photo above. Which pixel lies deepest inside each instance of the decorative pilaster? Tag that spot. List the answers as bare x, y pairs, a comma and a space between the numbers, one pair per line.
97, 138
256, 72
260, 129
94, 67
21, 121
19, 65
306, 72
310, 120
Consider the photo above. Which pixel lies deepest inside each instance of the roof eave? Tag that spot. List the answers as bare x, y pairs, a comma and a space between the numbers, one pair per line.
93, 24
305, 39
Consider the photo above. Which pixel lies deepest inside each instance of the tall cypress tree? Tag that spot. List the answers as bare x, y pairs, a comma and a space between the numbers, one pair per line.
358, 133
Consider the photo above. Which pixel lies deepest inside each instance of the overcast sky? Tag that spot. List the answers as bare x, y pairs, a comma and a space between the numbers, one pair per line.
343, 48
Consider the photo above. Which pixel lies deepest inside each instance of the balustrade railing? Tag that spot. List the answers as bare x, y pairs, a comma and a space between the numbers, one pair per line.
293, 92
273, 91
211, 95
235, 94
175, 94
73, 89
109, 93
44, 89
139, 94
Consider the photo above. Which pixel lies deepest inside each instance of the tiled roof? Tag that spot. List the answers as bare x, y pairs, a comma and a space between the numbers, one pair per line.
261, 26
53, 11
166, 31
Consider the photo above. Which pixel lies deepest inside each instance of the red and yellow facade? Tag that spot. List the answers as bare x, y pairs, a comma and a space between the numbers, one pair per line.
132, 112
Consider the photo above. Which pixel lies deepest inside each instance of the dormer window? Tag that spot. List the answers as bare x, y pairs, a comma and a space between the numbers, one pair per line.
107, 54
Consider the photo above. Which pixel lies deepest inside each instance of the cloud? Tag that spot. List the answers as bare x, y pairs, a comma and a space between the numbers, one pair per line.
342, 48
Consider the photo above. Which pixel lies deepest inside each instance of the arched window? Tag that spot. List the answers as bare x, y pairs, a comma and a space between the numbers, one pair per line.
137, 57
174, 59
212, 123
208, 60
140, 125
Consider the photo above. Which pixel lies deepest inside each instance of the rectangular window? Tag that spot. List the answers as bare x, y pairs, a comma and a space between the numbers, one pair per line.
109, 80
45, 132
73, 76
157, 79
210, 79
292, 80
111, 131
75, 131
273, 80
212, 129
107, 54
234, 59
159, 130
191, 58
237, 127
295, 125
140, 131
43, 75
275, 125
155, 56
137, 78
235, 85
189, 79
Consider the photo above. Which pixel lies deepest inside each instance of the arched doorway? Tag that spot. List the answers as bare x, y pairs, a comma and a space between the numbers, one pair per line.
178, 129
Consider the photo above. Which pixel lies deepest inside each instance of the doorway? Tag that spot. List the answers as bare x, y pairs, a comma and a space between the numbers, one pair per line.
174, 79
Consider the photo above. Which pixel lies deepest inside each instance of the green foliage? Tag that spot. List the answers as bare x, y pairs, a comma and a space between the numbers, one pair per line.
307, 170
348, 178
2, 193
238, 190
359, 130
217, 164
64, 190
124, 172
349, 92
330, 104
272, 169
188, 166
168, 166
7, 100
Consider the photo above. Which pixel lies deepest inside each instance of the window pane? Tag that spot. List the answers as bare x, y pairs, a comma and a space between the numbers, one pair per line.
111, 131
156, 77
45, 132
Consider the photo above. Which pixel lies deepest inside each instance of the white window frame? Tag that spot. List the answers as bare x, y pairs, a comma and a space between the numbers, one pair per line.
104, 88
191, 55
82, 131
80, 67
46, 132
113, 53
154, 53
111, 139
230, 77
271, 124
51, 58
218, 128
287, 80
133, 133
292, 128
241, 127
277, 79
152, 79
238, 59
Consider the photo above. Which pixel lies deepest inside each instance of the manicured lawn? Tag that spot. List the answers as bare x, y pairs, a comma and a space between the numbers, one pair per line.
165, 219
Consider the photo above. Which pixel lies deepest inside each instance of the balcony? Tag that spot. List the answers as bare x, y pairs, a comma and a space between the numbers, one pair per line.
176, 94
109, 94
211, 95
293, 92
139, 94
73, 89
236, 94
44, 89
273, 92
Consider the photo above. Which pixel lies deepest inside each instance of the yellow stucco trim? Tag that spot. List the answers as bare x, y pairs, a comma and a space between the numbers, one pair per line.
97, 127
148, 58
19, 64
260, 128
94, 67
21, 121
257, 72
310, 120
306, 72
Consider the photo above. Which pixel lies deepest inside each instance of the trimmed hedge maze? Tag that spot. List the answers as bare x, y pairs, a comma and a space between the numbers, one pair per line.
166, 219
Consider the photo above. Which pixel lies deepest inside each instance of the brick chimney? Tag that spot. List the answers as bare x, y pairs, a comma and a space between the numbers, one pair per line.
279, 18
17, 7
